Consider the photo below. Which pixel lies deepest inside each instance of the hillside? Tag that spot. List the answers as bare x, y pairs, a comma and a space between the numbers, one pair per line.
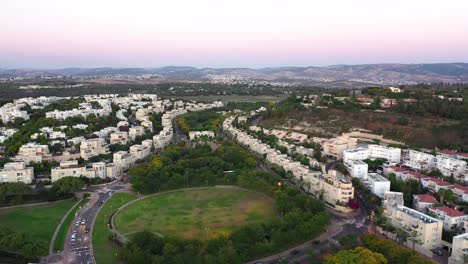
329, 76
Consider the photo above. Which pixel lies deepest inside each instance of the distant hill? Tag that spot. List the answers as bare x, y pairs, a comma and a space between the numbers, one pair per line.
330, 76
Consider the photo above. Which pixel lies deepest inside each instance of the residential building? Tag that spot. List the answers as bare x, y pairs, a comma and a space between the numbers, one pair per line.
423, 201
419, 160
93, 147
357, 168
136, 131
459, 250
335, 146
119, 138
377, 184
426, 230
356, 154
123, 160
374, 152
71, 168
32, 152
449, 166
434, 184
453, 219
196, 135
383, 152
16, 172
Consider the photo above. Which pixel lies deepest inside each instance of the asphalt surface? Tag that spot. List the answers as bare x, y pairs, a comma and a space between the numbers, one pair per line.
80, 250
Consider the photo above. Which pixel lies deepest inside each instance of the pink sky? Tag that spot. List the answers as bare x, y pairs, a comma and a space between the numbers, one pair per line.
222, 33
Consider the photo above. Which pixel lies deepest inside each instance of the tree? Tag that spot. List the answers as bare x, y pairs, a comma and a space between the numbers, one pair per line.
441, 193
358, 255
67, 185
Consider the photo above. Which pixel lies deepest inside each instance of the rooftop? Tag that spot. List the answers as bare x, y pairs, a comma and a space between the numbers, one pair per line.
448, 211
426, 198
398, 169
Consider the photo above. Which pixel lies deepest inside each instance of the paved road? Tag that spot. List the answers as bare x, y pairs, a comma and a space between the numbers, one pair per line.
80, 251
340, 225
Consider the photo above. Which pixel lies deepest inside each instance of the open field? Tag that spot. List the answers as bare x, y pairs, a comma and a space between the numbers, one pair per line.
104, 250
62, 234
196, 214
417, 131
38, 222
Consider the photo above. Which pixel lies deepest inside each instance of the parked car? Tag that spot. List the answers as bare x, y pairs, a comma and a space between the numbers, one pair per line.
315, 242
294, 252
438, 252
86, 230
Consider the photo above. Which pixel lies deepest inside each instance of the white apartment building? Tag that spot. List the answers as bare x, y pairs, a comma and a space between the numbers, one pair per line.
357, 168
93, 147
9, 112
453, 219
32, 152
135, 132
123, 160
451, 166
373, 152
377, 184
139, 152
84, 112
428, 229
335, 146
419, 160
196, 135
119, 138
459, 250
73, 169
383, 152
356, 154
16, 172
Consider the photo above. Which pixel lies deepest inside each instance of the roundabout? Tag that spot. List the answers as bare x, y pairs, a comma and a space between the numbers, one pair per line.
194, 214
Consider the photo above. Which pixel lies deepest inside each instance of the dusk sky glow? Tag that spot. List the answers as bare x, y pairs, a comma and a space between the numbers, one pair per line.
221, 33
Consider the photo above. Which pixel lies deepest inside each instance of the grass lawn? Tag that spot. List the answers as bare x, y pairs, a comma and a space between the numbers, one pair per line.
60, 240
196, 214
39, 222
104, 250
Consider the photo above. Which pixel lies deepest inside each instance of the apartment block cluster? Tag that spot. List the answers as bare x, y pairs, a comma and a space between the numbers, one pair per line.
335, 188
449, 163
142, 105
425, 223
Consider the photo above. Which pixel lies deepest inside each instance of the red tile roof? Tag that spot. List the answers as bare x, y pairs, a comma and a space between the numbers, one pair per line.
460, 187
454, 153
448, 152
417, 175
398, 169
448, 211
439, 182
426, 198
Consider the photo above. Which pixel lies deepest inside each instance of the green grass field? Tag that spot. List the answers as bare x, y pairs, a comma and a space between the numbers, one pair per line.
104, 250
39, 222
196, 214
62, 234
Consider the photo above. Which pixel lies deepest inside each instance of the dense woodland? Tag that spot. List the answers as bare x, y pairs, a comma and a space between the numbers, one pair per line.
200, 121
300, 217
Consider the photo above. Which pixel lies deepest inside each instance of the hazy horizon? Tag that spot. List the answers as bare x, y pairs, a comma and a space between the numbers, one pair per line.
54, 34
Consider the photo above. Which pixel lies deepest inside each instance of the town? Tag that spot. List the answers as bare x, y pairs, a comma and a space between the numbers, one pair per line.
103, 138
